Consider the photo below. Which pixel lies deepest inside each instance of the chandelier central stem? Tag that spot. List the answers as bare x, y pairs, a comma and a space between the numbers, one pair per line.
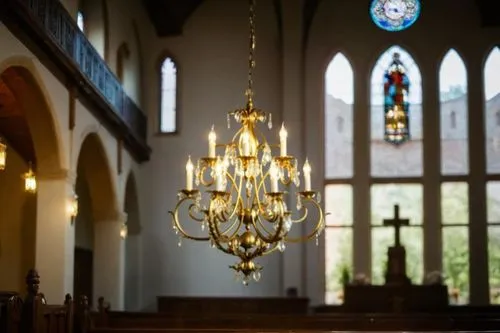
251, 55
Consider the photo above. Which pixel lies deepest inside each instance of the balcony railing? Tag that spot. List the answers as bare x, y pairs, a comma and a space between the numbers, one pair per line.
93, 76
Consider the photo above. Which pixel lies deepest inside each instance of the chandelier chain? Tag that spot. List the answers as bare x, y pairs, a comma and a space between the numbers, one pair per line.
251, 56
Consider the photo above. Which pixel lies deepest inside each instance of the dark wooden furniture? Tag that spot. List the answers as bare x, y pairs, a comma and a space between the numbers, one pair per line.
395, 298
32, 314
232, 305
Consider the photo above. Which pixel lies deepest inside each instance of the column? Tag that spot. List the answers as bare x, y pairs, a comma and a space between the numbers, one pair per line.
433, 249
55, 236
294, 264
362, 170
478, 238
109, 261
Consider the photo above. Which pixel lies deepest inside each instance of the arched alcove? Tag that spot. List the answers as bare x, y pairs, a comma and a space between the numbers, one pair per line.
97, 206
27, 127
132, 247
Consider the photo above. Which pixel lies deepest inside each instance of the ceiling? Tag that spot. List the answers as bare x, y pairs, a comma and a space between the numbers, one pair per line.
13, 125
169, 16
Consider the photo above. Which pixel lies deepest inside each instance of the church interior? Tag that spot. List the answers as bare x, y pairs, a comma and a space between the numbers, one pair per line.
344, 174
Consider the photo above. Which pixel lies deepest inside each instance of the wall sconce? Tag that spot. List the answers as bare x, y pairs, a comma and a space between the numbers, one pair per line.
30, 181
124, 231
73, 207
3, 155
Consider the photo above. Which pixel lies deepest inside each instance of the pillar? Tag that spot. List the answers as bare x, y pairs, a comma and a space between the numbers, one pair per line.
294, 261
109, 261
55, 236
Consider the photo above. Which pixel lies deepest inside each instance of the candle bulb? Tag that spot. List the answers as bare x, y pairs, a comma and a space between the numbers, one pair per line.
273, 173
220, 184
189, 174
283, 137
211, 143
307, 176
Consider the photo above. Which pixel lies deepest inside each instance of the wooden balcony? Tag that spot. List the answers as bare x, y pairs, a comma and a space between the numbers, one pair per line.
49, 31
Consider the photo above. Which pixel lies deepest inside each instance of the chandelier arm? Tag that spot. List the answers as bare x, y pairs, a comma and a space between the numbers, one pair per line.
178, 226
192, 213
201, 176
274, 237
233, 140
303, 218
238, 191
258, 187
236, 222
320, 224
216, 238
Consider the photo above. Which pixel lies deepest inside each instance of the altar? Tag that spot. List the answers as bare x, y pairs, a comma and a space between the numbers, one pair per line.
397, 294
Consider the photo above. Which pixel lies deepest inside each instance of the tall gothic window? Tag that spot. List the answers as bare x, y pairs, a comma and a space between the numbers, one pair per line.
388, 160
396, 169
454, 170
80, 21
168, 117
491, 105
339, 96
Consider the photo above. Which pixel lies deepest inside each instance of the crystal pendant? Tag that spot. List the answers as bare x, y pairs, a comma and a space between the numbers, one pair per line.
281, 246
270, 121
179, 243
299, 202
246, 280
317, 240
175, 230
318, 197
256, 276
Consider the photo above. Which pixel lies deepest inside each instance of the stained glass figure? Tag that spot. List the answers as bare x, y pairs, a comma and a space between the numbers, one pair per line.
396, 102
395, 15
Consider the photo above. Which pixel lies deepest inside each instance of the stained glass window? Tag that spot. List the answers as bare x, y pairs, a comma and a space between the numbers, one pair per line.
405, 91
395, 15
396, 103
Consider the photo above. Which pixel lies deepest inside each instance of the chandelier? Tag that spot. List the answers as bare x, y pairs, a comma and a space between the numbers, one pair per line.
244, 206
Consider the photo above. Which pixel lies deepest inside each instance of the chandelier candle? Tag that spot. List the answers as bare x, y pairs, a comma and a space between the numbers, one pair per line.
212, 137
189, 174
241, 205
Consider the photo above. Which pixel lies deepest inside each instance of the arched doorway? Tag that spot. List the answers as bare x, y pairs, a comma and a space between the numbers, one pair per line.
27, 127
97, 247
132, 247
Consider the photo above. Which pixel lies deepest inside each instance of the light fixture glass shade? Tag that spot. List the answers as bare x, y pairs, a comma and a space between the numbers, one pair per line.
124, 231
3, 155
30, 183
73, 206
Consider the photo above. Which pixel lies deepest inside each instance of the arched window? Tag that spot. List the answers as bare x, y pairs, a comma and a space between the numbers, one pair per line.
339, 97
396, 162
491, 106
388, 160
80, 21
168, 121
454, 163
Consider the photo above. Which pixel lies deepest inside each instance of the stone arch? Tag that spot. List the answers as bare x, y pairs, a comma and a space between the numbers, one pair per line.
23, 80
93, 162
97, 242
132, 246
28, 126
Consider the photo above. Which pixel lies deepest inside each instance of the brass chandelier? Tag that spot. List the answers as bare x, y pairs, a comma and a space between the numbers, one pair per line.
244, 206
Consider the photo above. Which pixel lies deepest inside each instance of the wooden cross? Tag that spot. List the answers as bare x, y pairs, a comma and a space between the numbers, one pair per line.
397, 223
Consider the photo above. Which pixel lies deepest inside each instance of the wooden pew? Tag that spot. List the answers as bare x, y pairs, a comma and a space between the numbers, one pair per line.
33, 314
106, 321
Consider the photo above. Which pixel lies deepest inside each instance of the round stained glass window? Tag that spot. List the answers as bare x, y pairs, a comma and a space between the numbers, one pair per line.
395, 15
